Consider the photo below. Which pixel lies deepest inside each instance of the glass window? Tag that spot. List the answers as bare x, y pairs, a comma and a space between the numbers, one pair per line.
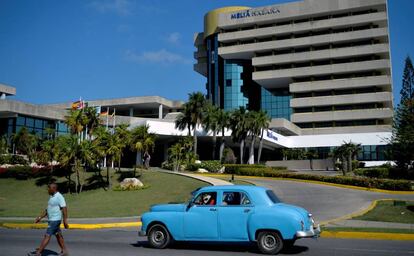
206, 198
20, 121
29, 122
235, 198
272, 196
39, 124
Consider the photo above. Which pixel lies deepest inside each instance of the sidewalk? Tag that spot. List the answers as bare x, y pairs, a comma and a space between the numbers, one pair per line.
369, 224
77, 220
210, 180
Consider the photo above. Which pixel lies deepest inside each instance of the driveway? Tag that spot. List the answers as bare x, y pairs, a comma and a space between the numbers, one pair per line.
323, 201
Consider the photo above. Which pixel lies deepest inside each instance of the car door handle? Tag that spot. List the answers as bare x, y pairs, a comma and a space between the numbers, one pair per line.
213, 209
246, 210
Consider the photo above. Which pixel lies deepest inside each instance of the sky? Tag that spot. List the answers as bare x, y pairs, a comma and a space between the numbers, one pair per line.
58, 51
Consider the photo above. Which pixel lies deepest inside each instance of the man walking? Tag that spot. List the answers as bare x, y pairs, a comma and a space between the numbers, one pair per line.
55, 207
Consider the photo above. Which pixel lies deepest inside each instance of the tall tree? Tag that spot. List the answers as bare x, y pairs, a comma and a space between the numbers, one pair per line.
142, 141
238, 125
223, 123
310, 155
402, 141
210, 123
263, 122
92, 120
196, 104
254, 130
123, 135
25, 142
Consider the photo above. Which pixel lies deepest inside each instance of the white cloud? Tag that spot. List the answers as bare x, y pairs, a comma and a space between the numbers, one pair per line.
120, 7
161, 56
174, 38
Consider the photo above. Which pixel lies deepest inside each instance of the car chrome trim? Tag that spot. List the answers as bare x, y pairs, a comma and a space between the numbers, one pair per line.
314, 232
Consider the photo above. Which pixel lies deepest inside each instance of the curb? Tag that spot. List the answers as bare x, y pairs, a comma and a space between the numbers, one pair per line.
367, 235
72, 226
321, 183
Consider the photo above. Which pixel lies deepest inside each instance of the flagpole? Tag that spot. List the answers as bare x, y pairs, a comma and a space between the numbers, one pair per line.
113, 132
107, 124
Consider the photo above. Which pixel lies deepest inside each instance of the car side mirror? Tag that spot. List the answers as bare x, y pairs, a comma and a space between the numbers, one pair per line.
189, 205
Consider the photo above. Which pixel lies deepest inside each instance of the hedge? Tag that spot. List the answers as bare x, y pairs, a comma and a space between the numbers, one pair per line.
13, 159
386, 184
24, 172
373, 172
233, 168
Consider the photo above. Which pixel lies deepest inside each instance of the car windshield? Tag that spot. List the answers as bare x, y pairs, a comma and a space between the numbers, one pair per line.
273, 197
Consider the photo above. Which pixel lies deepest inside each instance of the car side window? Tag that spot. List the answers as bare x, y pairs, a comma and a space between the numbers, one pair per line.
206, 198
235, 198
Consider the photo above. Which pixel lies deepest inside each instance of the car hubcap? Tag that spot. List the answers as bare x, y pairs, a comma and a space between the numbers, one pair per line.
159, 237
269, 242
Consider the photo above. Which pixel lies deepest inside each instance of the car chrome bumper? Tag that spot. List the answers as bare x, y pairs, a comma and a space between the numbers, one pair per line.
142, 233
314, 232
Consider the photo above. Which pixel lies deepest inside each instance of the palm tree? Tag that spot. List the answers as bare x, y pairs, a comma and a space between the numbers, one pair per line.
263, 121
92, 119
311, 154
25, 142
254, 131
210, 123
338, 153
183, 120
351, 150
223, 122
123, 136
76, 120
142, 141
196, 103
3, 145
68, 157
238, 125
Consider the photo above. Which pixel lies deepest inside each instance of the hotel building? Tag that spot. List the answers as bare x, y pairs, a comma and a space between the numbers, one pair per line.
317, 67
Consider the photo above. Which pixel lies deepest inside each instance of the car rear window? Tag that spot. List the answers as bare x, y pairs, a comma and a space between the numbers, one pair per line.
272, 196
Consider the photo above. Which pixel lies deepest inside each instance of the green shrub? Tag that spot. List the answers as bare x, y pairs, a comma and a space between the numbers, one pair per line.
211, 166
386, 184
233, 168
167, 165
23, 172
16, 159
192, 167
5, 159
129, 188
373, 172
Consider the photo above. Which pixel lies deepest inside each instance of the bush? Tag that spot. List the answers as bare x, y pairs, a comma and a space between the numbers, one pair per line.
228, 156
386, 184
373, 172
211, 166
192, 167
16, 159
233, 168
129, 188
24, 172
167, 165
5, 159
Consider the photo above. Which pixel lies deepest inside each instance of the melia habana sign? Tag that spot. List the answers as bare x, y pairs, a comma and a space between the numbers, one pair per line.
254, 13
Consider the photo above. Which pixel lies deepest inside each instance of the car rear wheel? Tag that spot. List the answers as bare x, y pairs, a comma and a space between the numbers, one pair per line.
269, 242
159, 237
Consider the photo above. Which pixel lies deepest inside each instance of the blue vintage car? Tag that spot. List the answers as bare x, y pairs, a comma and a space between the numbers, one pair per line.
229, 214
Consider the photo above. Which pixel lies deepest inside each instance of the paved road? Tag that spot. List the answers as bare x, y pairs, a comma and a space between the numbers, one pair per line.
324, 202
124, 242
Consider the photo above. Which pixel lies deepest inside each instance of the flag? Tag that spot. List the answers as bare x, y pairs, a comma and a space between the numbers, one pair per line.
80, 104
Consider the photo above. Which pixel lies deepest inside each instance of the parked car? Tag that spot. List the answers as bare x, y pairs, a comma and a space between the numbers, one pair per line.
229, 214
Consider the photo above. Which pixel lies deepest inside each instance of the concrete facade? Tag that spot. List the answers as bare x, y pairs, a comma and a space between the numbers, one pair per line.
331, 58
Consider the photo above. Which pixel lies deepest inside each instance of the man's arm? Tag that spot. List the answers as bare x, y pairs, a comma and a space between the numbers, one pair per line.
42, 215
65, 217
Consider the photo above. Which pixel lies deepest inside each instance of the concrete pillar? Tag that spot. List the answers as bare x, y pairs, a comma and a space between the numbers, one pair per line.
160, 112
131, 112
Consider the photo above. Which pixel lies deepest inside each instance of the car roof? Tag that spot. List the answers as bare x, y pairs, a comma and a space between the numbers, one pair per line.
246, 188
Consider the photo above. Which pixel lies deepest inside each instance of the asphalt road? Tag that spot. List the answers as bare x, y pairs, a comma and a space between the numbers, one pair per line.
124, 242
324, 202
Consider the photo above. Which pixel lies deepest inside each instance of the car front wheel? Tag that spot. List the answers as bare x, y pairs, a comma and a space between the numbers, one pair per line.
159, 237
269, 242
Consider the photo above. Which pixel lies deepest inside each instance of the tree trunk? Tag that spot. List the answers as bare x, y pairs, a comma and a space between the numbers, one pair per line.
251, 153
222, 145
108, 180
241, 151
259, 152
344, 166
214, 146
138, 161
195, 140
350, 162
311, 164
119, 165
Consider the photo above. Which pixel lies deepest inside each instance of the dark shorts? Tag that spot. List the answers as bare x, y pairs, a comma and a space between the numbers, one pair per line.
53, 227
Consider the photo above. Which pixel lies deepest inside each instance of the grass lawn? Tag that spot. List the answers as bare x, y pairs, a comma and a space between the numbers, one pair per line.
377, 230
23, 198
386, 211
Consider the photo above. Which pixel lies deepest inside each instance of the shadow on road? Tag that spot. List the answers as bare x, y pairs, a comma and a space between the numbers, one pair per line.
223, 247
49, 253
